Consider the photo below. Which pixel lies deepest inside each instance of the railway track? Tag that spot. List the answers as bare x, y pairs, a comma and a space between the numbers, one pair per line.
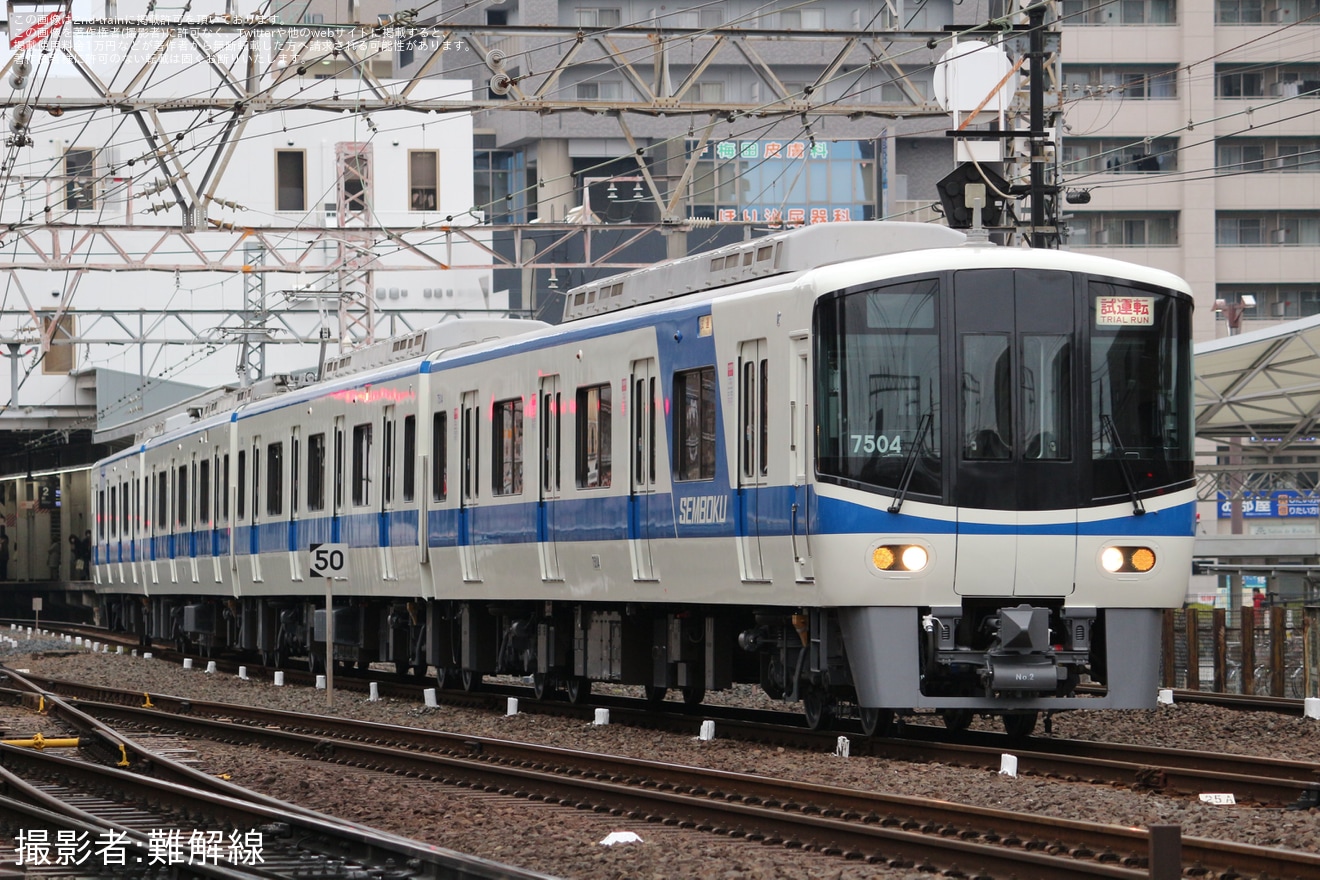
156, 808
1259, 780
896, 830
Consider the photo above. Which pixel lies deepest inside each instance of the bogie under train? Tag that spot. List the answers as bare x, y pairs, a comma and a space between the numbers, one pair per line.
869, 467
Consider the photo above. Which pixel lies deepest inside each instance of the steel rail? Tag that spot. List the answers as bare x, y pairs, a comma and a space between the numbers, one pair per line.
518, 768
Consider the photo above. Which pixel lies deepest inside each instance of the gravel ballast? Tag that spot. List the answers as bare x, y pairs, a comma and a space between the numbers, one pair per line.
566, 842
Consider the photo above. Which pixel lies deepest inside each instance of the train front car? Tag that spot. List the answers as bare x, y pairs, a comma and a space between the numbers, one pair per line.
1004, 497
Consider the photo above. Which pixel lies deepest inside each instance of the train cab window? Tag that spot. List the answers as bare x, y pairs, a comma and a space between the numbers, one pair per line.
409, 457
316, 472
594, 454
124, 520
439, 448
204, 491
242, 483
361, 475
181, 498
275, 480
101, 520
1046, 398
1141, 412
694, 425
223, 489
506, 443
114, 526
987, 398
877, 386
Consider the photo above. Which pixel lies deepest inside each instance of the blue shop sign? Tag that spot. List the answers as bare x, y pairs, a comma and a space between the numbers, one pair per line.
1282, 504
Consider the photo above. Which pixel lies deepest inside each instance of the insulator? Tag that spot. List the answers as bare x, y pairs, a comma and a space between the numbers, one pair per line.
19, 74
21, 117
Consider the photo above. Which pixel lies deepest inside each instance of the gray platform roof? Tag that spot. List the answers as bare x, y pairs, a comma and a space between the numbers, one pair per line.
1263, 384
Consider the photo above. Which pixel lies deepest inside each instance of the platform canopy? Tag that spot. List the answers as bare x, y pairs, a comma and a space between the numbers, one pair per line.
1263, 385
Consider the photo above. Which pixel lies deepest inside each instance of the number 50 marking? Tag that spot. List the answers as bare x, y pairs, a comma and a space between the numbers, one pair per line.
329, 560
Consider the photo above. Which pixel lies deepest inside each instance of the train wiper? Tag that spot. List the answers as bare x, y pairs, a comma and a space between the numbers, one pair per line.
1107, 425
910, 463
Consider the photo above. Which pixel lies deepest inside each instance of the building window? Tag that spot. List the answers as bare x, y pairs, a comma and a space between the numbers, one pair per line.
361, 475
694, 428
1239, 12
355, 182
80, 185
1125, 81
290, 180
593, 437
1239, 231
1235, 157
599, 18
1233, 83
1275, 300
811, 19
423, 179
709, 92
1119, 156
506, 445
1113, 229
1249, 228
706, 17
598, 91
1124, 12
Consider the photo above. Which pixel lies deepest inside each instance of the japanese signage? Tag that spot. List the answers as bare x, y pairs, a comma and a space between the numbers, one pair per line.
1124, 310
1282, 504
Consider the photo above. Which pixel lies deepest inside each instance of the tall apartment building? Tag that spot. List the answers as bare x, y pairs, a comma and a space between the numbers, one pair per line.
1192, 124
1198, 124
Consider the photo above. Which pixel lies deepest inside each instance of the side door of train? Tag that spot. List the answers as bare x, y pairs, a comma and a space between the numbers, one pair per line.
752, 433
642, 468
799, 448
389, 463
550, 411
1016, 471
470, 477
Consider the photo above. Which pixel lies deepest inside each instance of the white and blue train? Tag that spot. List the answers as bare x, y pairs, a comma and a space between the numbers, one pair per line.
874, 467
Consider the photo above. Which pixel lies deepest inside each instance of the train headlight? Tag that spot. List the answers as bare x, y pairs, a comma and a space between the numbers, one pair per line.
1123, 559
915, 558
1111, 560
900, 557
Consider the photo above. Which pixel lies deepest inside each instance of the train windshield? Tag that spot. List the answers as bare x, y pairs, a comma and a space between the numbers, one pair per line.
878, 386
1141, 408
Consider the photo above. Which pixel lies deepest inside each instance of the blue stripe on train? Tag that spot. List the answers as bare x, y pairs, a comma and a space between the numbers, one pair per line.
613, 518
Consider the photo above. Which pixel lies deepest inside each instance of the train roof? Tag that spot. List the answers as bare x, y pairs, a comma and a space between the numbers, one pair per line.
783, 253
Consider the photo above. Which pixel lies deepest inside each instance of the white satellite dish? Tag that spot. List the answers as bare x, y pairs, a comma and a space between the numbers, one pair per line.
966, 74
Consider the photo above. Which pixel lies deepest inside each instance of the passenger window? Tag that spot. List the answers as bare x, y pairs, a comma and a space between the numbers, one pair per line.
594, 455
507, 447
